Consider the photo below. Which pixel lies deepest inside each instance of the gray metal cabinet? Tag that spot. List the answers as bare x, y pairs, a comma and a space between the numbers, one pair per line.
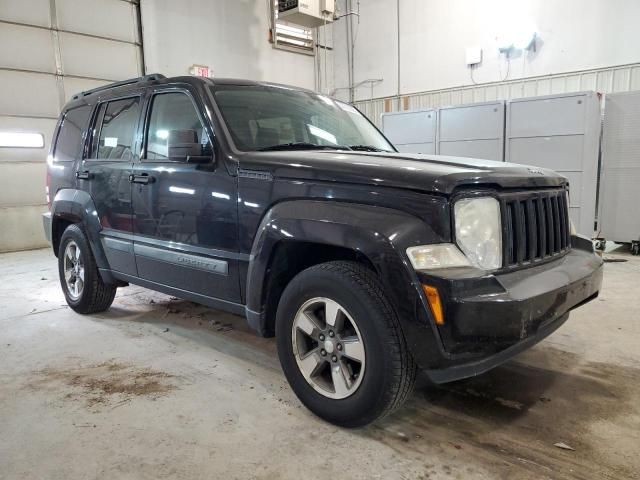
620, 177
474, 130
412, 131
561, 132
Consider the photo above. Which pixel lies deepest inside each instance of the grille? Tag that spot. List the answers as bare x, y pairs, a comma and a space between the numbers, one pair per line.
535, 226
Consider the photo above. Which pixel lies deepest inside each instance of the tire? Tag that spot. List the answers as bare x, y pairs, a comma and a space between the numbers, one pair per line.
92, 294
385, 377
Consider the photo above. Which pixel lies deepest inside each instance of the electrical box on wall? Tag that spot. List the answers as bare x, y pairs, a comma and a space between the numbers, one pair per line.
473, 56
308, 13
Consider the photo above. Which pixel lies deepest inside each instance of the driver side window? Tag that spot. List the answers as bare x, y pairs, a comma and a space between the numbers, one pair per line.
175, 131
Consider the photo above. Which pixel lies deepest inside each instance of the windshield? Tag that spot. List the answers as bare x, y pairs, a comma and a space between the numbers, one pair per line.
273, 118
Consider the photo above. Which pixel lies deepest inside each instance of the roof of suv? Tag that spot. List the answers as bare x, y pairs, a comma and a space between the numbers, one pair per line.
159, 79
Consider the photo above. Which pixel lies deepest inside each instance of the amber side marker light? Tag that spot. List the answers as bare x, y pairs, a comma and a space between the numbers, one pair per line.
433, 297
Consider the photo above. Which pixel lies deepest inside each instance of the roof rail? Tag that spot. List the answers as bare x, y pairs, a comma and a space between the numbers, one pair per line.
146, 78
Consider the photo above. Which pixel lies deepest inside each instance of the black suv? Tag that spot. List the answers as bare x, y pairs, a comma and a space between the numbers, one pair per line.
290, 208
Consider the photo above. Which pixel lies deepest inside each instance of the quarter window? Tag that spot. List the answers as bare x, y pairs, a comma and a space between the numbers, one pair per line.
69, 141
175, 131
115, 136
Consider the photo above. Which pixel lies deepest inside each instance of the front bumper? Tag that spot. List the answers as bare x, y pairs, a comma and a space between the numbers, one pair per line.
490, 318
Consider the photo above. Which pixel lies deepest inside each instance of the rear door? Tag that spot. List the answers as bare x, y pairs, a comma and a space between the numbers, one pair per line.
184, 202
105, 175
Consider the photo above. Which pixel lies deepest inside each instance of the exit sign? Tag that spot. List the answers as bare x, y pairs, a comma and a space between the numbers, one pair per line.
201, 71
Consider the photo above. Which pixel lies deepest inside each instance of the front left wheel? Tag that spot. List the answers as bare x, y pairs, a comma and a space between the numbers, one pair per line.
81, 283
341, 346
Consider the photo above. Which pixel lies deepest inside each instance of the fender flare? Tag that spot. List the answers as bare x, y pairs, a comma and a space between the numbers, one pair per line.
380, 234
77, 206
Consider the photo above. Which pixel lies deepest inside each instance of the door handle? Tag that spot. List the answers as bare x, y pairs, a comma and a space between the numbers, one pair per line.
86, 175
143, 178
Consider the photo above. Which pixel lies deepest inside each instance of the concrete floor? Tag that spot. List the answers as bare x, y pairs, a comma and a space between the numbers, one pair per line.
162, 388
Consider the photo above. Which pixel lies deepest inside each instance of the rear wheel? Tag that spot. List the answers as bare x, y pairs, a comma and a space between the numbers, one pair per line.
81, 283
340, 344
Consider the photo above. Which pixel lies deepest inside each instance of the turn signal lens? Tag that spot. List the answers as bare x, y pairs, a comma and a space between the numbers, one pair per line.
433, 297
440, 255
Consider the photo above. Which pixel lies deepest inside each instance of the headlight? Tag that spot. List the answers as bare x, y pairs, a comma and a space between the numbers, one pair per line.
440, 255
479, 231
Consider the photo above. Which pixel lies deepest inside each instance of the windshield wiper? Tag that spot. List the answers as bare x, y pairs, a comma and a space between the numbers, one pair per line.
302, 146
366, 148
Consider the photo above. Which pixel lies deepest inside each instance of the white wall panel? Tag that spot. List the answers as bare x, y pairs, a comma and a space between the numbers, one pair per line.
26, 48
231, 37
27, 185
21, 228
574, 35
98, 58
32, 12
28, 94
106, 18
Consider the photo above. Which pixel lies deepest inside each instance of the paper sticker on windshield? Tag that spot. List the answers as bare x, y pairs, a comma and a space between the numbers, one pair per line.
110, 141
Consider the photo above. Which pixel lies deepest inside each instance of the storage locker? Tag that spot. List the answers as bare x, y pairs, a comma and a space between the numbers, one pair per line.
411, 131
473, 130
619, 219
561, 132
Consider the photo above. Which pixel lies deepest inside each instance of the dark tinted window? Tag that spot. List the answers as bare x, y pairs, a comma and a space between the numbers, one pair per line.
116, 121
69, 141
175, 130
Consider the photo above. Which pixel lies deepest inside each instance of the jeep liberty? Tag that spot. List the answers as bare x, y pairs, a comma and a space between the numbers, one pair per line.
291, 209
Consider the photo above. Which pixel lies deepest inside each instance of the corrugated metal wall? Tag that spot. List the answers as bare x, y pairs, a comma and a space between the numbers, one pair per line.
49, 50
604, 80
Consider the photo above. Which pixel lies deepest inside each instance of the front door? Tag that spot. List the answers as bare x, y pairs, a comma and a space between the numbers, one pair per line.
184, 202
105, 175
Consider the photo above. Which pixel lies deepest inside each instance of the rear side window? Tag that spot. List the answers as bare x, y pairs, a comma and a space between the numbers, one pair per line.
175, 130
115, 131
69, 142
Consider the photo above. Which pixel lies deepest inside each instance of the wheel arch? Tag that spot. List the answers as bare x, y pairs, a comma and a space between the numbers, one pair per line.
72, 206
295, 235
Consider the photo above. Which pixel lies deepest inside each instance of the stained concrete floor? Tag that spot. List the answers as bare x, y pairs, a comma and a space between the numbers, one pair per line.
162, 388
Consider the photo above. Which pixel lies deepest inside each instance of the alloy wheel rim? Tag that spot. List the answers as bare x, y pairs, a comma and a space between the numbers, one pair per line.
328, 348
73, 270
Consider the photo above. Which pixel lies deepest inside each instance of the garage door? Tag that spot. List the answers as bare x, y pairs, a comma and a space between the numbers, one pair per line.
49, 50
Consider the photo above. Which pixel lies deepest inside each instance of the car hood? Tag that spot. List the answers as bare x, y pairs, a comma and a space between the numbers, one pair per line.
432, 173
